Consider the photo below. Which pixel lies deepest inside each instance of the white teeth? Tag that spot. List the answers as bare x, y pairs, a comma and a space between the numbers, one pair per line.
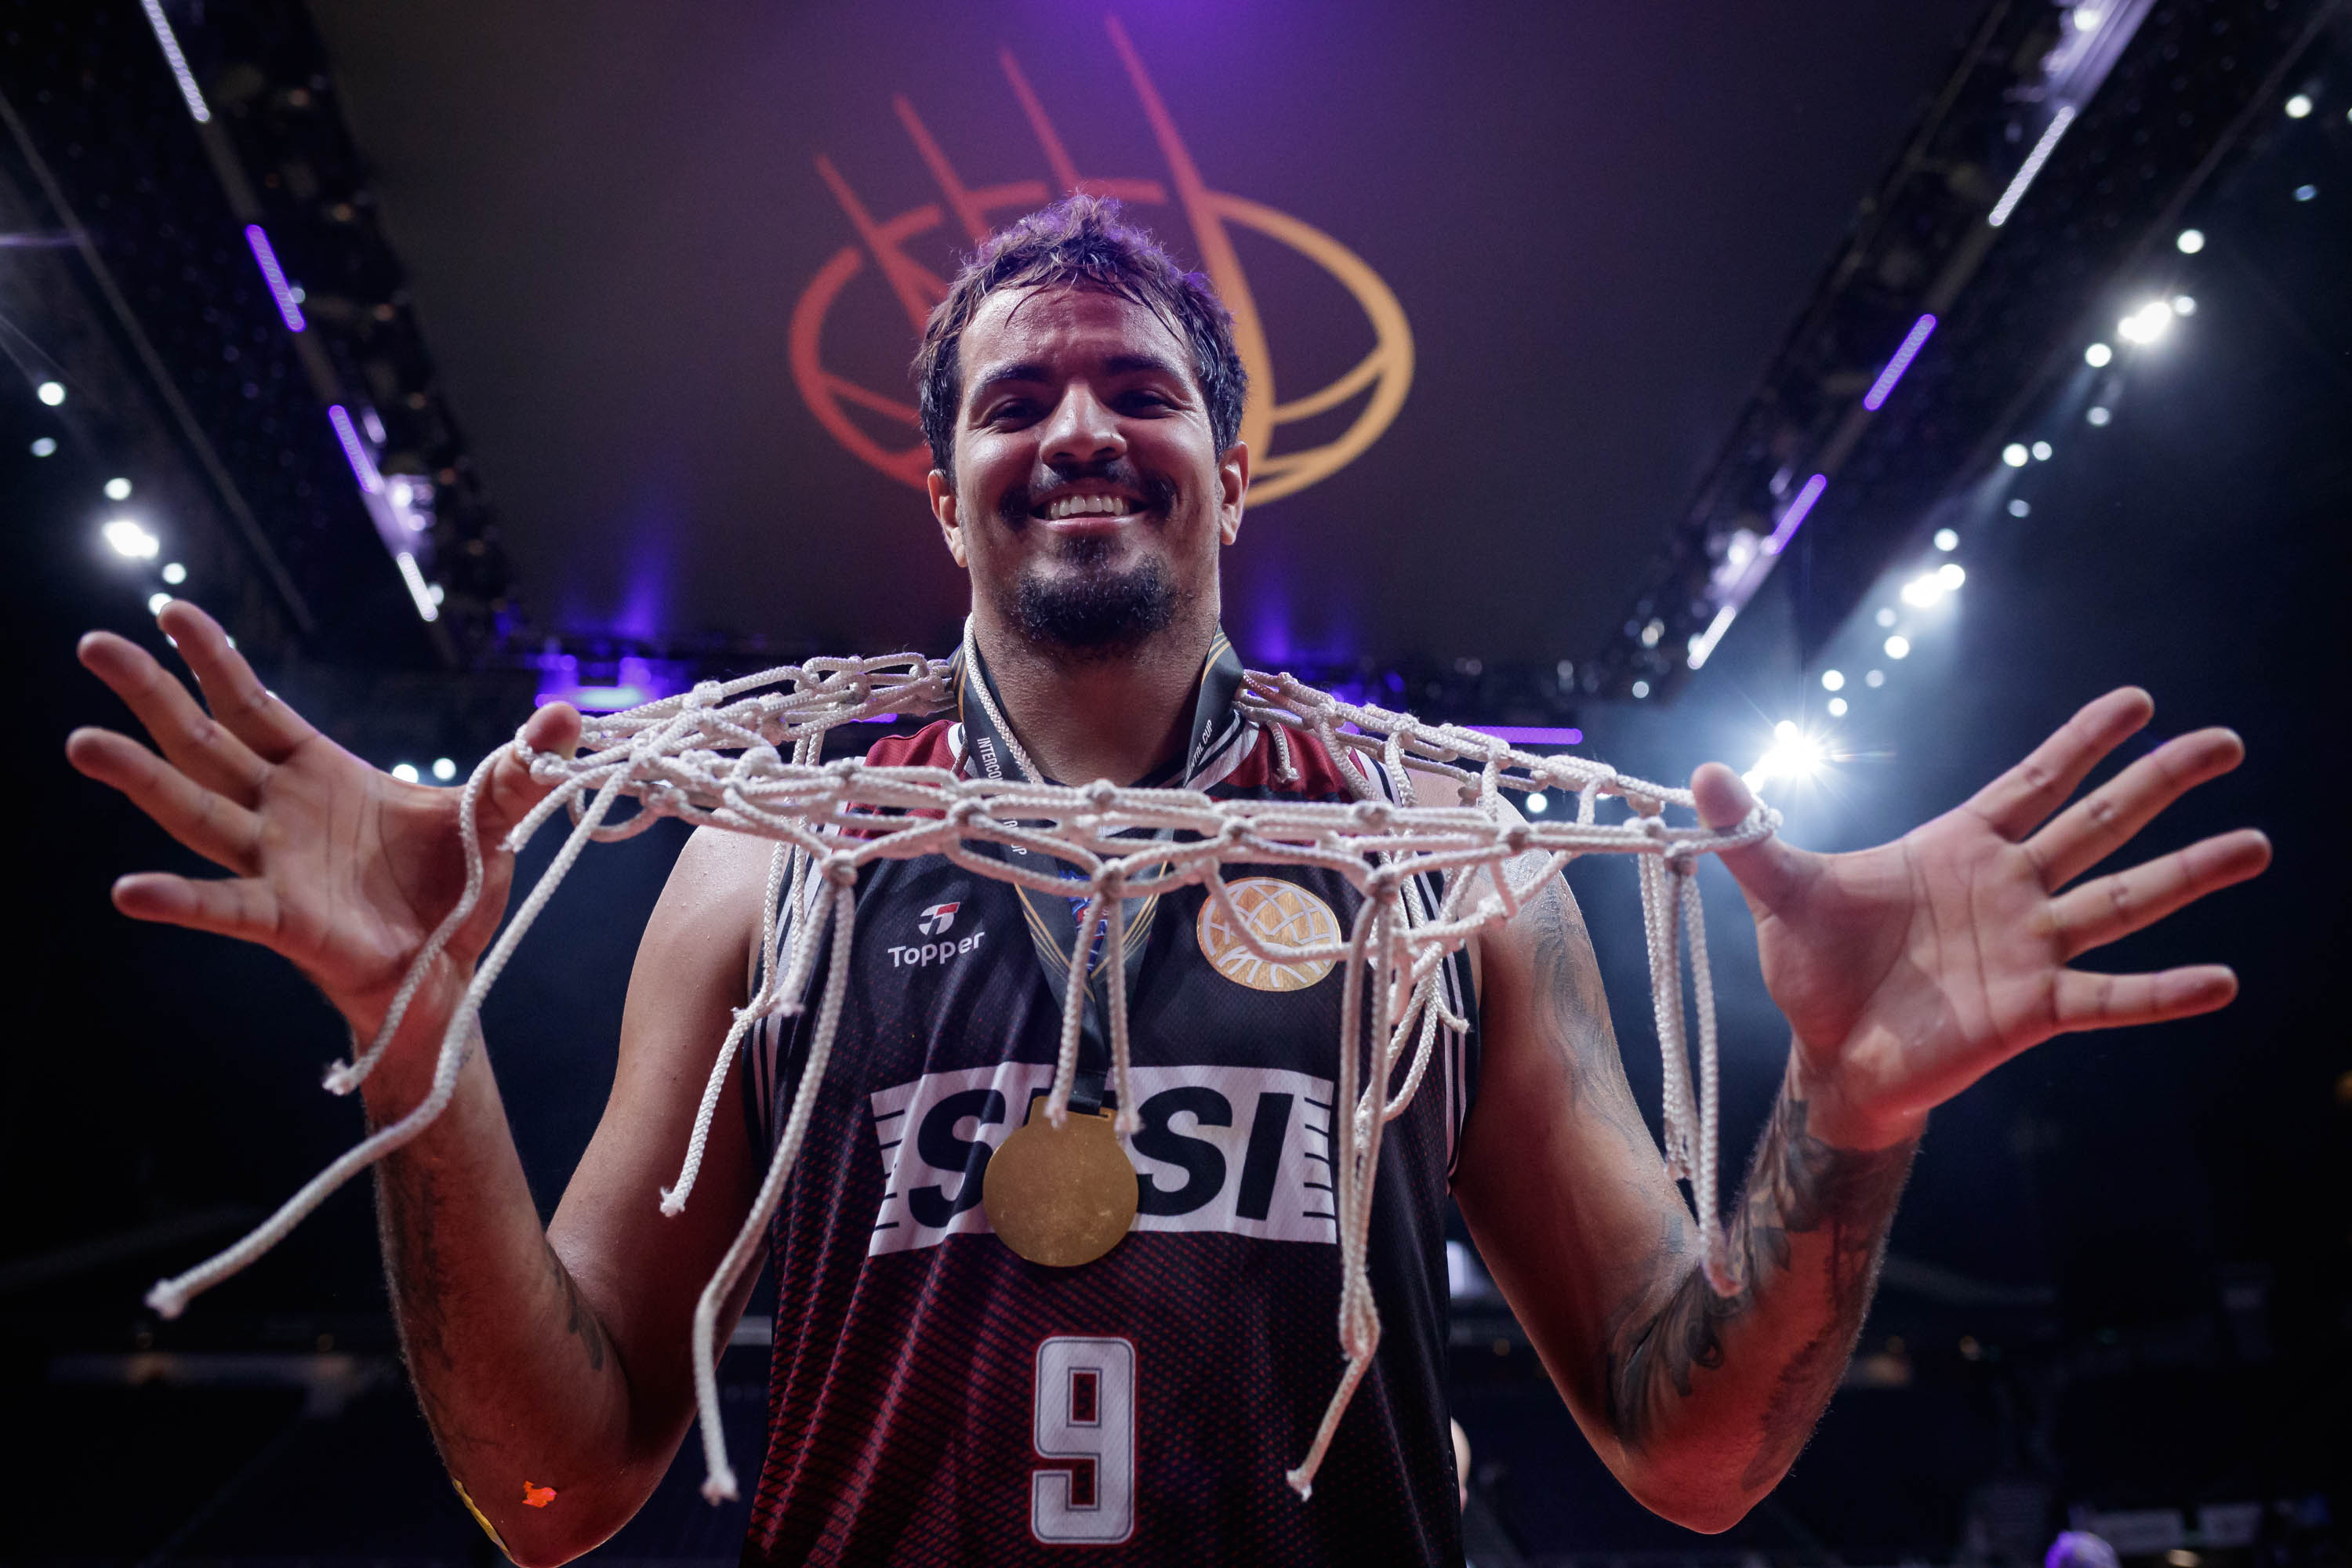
1088, 506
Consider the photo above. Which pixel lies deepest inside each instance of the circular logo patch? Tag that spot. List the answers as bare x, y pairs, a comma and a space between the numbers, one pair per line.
1277, 912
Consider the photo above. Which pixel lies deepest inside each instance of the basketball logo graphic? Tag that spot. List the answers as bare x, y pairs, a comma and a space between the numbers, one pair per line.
1277, 912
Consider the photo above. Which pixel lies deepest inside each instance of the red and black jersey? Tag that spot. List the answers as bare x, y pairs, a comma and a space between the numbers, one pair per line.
934, 1398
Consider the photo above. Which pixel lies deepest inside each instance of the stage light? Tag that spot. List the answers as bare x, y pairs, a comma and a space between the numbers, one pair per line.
2096, 414
444, 769
1885, 617
1951, 574
1946, 539
1641, 689
43, 445
2302, 193
2097, 355
1899, 647
289, 309
177, 61
363, 466
155, 603
1874, 679
1832, 680
1904, 355
1537, 804
2086, 18
2147, 323
2020, 508
2041, 451
428, 606
130, 540
2183, 305
2032, 166
1793, 518
1923, 592
51, 393
174, 573
1837, 707
1793, 755
117, 489
1701, 644
2190, 241
2299, 106
2015, 455
404, 772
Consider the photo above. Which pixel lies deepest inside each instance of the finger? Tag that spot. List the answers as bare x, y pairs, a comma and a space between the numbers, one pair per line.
238, 907
196, 745
1767, 871
2082, 1001
204, 820
2101, 822
2014, 802
2100, 912
237, 698
511, 792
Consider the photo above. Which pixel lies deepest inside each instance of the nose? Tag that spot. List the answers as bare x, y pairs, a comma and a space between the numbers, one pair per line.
1082, 432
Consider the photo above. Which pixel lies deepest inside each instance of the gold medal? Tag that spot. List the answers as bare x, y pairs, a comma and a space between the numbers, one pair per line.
1060, 1196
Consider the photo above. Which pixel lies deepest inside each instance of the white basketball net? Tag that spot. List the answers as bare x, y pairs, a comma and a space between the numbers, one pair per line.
744, 755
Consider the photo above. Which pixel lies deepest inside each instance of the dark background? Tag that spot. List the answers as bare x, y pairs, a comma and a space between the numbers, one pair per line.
2119, 1277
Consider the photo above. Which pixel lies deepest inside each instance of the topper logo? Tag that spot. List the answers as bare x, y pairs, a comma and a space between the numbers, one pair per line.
937, 919
852, 413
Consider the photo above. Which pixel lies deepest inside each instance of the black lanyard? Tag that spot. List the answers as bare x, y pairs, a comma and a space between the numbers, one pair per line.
1053, 922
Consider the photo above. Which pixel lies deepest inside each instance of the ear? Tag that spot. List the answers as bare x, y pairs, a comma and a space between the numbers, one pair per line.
1233, 486
940, 486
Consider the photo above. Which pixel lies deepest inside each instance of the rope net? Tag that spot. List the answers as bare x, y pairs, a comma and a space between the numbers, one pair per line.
744, 755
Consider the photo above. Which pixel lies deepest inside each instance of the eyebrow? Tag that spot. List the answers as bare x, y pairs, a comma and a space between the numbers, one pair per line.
1031, 370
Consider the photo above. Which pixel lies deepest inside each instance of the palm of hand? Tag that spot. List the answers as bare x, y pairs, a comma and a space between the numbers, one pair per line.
340, 869
1908, 971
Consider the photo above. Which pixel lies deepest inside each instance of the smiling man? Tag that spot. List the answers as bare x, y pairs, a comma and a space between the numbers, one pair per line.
939, 1397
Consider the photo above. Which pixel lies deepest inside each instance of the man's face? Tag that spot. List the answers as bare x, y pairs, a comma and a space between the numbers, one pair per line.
1088, 500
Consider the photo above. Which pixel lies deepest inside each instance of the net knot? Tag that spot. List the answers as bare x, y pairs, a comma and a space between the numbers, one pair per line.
706, 694
841, 868
1102, 794
1515, 836
1371, 813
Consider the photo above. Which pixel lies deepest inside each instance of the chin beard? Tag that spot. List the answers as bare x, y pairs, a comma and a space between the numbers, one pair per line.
1089, 611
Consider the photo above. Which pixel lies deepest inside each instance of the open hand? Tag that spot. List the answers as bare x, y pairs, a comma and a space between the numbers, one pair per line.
334, 865
1909, 971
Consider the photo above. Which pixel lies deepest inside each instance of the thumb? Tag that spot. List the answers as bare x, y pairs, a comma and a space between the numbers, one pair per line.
511, 792
1764, 869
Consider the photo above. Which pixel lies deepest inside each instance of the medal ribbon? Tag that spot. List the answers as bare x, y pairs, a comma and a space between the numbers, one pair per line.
991, 752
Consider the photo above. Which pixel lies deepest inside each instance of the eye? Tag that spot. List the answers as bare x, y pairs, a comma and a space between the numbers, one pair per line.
1011, 411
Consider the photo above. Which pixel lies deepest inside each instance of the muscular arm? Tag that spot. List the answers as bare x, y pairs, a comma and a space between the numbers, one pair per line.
559, 1358
1698, 1403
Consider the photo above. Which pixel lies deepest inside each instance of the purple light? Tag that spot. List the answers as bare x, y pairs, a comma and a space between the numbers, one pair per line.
363, 466
274, 276
1790, 519
1531, 734
1899, 363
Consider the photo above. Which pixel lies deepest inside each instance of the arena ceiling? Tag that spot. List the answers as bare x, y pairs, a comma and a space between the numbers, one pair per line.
1514, 269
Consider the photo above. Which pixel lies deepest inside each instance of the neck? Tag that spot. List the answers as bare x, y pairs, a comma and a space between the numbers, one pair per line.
1086, 719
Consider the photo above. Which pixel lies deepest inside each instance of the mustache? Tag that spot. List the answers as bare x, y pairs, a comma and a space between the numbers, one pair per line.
1156, 490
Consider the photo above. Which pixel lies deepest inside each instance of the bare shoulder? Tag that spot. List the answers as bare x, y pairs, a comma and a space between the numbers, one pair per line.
713, 902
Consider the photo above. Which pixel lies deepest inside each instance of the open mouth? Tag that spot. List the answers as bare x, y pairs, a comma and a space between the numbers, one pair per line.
1068, 505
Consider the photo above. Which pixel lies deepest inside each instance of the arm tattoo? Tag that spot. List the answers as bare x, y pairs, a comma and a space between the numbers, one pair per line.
582, 1320
1798, 1185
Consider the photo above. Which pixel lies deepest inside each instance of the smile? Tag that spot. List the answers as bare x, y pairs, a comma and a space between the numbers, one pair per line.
1070, 506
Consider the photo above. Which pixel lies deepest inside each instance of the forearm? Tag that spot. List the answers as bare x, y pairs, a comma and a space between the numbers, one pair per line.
519, 1381
1713, 1396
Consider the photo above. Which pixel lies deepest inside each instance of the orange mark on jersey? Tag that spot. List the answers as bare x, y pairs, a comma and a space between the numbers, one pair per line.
538, 1497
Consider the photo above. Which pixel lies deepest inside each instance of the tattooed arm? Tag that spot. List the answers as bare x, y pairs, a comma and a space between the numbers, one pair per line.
1697, 1403
556, 1360
1907, 973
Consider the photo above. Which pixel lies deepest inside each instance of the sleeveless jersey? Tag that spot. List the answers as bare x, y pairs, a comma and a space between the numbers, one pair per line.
934, 1398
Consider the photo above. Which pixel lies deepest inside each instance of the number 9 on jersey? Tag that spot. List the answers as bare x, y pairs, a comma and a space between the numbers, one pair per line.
1084, 1494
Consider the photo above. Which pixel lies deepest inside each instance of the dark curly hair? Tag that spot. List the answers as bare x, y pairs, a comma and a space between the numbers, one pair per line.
1083, 241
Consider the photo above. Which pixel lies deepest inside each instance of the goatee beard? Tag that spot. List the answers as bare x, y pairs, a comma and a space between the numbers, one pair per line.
1089, 611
